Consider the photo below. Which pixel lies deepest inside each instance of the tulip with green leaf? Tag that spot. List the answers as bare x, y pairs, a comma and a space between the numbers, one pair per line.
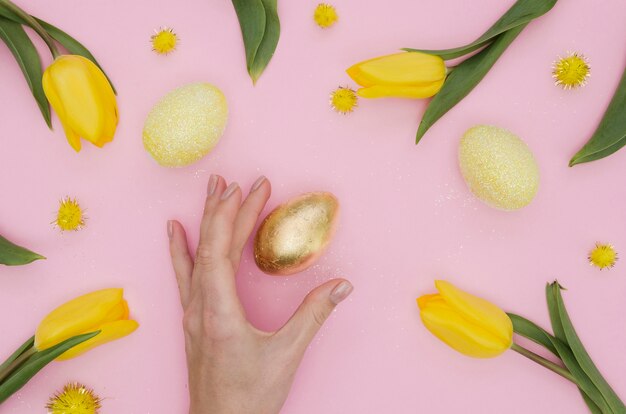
74, 83
477, 328
421, 73
68, 331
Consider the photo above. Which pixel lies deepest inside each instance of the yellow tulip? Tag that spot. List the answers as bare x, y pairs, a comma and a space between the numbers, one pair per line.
468, 324
401, 75
104, 310
83, 99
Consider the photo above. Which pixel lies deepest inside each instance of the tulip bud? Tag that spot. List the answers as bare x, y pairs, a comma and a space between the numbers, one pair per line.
466, 323
401, 75
83, 99
104, 310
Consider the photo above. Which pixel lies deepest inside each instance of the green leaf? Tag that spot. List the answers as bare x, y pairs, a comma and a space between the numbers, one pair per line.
260, 28
269, 42
251, 15
25, 346
13, 255
584, 359
610, 135
464, 78
72, 45
27, 58
586, 386
530, 330
521, 13
590, 404
553, 310
36, 363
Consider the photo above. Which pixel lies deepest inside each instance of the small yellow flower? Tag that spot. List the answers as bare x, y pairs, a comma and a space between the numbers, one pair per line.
70, 216
603, 256
164, 41
343, 100
571, 71
325, 15
74, 399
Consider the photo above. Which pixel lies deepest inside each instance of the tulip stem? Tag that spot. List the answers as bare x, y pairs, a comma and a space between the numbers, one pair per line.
544, 362
4, 373
34, 24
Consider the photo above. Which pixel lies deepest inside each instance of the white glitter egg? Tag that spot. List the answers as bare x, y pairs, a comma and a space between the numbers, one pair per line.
185, 124
498, 167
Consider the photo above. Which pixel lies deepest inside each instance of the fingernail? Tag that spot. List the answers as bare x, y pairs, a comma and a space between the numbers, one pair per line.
257, 183
212, 184
340, 292
170, 228
229, 190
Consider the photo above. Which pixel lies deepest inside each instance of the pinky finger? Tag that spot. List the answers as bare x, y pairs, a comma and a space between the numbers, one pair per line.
181, 259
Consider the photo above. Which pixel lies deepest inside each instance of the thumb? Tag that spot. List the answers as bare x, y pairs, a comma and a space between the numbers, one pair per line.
313, 312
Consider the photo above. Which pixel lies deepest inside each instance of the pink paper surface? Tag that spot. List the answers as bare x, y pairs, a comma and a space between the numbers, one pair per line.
407, 216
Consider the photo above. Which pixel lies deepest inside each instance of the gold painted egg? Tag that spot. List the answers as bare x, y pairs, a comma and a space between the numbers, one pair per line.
498, 167
185, 124
295, 234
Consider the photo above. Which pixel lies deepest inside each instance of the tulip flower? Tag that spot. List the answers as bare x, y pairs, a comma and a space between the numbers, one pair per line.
104, 310
480, 329
402, 75
469, 324
68, 331
83, 99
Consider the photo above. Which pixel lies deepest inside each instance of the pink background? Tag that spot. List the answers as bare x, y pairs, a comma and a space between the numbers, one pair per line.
407, 216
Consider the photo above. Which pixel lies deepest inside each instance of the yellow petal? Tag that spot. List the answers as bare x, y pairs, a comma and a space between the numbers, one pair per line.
478, 311
460, 334
75, 88
57, 105
425, 300
406, 68
80, 315
108, 100
108, 332
401, 91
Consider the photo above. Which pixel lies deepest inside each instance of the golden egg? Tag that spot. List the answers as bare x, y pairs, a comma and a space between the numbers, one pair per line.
295, 234
498, 167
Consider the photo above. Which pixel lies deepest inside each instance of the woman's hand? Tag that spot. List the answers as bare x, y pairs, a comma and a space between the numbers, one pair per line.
233, 367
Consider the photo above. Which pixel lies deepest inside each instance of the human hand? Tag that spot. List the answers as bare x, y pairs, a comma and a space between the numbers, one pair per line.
234, 367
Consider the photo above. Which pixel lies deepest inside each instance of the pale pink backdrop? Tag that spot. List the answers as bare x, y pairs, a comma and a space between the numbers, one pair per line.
407, 215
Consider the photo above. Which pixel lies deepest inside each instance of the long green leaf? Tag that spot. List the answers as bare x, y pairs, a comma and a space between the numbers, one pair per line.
590, 404
35, 363
553, 310
521, 13
72, 45
251, 16
532, 331
25, 346
28, 59
464, 78
586, 386
13, 255
269, 42
610, 135
584, 359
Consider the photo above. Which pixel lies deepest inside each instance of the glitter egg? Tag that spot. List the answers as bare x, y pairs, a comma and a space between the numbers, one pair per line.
295, 234
185, 124
498, 167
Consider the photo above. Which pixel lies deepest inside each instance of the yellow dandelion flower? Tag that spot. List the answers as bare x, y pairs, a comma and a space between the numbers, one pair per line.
571, 71
603, 256
343, 100
164, 40
70, 216
325, 15
74, 399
